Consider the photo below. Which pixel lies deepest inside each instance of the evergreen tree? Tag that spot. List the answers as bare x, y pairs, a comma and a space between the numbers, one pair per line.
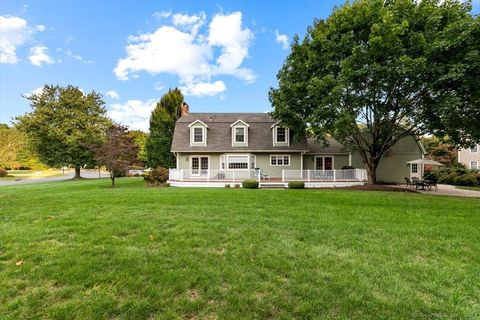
162, 124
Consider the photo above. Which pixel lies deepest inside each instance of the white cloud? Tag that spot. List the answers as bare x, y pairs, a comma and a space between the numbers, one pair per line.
14, 32
162, 14
37, 91
133, 113
203, 88
282, 39
75, 56
41, 28
39, 56
113, 94
191, 24
182, 50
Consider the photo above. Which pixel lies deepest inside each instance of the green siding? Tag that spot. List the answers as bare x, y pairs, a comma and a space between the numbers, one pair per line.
339, 161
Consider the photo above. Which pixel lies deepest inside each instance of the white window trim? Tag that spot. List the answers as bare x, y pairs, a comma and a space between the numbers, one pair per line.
476, 152
470, 164
237, 155
192, 136
287, 136
280, 165
245, 131
411, 168
323, 161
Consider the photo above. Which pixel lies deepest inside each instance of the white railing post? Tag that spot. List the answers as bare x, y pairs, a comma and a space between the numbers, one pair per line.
233, 175
283, 175
334, 175
308, 175
181, 175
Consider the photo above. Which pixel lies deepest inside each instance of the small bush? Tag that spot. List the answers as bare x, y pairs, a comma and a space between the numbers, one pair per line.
3, 172
227, 185
237, 185
468, 179
296, 185
156, 176
250, 184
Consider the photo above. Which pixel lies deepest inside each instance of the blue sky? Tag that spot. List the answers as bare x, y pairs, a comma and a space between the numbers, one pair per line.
223, 54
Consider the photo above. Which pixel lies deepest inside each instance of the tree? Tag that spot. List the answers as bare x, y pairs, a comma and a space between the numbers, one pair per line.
62, 122
140, 139
117, 153
377, 71
440, 149
162, 124
15, 151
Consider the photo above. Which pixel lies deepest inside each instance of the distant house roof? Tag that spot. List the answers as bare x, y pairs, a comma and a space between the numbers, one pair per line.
332, 147
260, 135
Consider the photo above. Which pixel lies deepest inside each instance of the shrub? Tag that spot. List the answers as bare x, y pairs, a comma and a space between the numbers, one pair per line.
296, 185
237, 185
3, 172
227, 185
156, 176
468, 179
250, 184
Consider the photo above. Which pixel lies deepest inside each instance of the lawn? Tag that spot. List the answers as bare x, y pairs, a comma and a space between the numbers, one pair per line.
31, 174
79, 249
477, 188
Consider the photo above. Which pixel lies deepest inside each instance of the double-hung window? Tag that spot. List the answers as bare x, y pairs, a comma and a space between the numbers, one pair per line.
281, 134
239, 134
474, 149
198, 134
474, 164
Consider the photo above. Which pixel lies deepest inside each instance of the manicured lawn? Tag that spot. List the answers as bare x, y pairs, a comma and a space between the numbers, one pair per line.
31, 174
91, 252
470, 188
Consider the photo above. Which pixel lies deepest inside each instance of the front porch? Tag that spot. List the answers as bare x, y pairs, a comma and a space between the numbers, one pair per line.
312, 178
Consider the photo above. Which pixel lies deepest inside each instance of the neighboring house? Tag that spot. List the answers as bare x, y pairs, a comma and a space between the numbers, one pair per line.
203, 142
470, 157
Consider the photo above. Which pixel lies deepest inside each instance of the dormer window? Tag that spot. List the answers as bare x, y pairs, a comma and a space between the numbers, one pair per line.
198, 133
281, 135
239, 133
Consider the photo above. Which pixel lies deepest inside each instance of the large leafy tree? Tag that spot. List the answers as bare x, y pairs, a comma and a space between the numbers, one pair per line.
162, 124
63, 121
140, 139
15, 151
376, 71
117, 153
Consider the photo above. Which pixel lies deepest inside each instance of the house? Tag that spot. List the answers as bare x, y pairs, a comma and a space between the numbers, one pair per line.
470, 157
226, 146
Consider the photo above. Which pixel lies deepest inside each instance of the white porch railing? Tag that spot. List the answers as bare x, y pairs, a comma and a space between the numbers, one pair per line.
212, 175
324, 175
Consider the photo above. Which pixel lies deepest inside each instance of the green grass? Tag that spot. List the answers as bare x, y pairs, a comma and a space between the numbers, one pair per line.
470, 188
92, 252
30, 174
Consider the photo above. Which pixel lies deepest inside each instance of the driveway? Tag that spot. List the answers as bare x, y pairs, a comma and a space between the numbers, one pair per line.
89, 174
448, 190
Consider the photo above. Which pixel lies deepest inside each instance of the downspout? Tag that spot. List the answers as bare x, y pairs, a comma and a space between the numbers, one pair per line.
349, 159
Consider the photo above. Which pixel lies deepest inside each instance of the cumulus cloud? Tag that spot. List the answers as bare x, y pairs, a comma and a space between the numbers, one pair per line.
282, 39
14, 31
37, 91
133, 113
41, 28
200, 89
195, 57
38, 56
162, 14
113, 94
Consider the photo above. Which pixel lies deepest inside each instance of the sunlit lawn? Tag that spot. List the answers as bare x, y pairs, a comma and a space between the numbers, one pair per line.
80, 249
31, 174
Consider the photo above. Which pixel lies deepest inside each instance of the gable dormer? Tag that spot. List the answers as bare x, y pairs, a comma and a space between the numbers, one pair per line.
239, 133
198, 134
281, 135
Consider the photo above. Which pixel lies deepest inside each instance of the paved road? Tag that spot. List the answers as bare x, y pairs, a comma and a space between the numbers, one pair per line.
89, 174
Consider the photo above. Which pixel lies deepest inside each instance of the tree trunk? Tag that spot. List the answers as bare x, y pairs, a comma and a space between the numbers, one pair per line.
77, 173
372, 173
113, 181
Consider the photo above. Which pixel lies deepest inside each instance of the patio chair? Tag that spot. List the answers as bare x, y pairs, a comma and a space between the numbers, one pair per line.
432, 184
408, 183
259, 174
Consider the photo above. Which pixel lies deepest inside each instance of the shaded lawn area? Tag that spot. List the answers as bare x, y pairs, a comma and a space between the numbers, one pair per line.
31, 174
92, 252
476, 188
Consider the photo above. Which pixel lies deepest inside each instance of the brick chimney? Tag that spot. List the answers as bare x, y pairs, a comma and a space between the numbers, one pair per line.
184, 109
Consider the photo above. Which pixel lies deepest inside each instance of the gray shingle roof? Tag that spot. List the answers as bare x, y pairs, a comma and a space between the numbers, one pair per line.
219, 135
333, 146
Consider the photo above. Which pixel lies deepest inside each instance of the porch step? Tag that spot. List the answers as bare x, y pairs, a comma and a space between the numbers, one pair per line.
272, 185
